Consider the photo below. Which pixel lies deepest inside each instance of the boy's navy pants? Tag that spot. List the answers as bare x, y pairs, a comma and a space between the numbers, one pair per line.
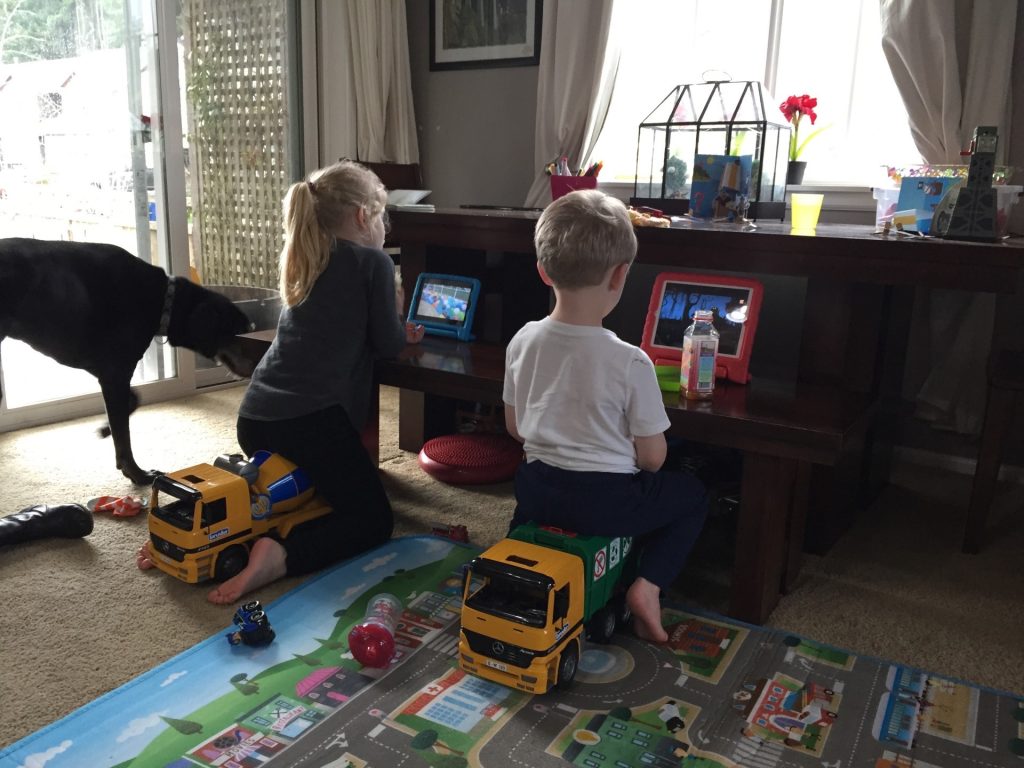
664, 511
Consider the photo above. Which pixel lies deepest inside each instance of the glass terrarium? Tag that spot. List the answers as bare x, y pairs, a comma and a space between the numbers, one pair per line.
705, 126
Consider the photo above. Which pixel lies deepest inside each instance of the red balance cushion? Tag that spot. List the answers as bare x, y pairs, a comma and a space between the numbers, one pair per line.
471, 459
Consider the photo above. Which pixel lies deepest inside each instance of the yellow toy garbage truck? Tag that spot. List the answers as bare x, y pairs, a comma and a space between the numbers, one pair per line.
527, 601
203, 519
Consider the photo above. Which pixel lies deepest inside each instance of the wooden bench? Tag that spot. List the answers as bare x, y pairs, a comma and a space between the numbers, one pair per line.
780, 429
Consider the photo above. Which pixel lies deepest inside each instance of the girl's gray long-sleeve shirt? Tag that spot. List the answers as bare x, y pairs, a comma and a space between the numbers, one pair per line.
325, 347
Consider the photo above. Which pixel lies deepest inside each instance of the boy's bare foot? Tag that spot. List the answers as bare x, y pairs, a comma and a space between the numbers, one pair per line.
266, 564
644, 600
144, 558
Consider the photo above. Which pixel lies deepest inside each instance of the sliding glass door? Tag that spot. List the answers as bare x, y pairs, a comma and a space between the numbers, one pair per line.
161, 127
79, 86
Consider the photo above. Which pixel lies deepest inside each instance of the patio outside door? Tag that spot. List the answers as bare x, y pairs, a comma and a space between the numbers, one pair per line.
167, 128
80, 160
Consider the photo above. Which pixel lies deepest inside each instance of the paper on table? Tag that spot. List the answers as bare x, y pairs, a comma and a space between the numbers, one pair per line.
412, 207
406, 196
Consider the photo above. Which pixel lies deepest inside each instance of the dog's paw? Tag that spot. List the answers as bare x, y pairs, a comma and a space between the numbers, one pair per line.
140, 476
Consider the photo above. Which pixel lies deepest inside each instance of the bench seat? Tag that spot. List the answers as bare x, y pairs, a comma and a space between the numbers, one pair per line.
781, 429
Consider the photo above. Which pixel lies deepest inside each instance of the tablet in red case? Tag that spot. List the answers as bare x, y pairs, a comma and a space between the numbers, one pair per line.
735, 302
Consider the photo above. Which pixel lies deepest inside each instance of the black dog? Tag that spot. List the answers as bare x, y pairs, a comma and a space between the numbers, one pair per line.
97, 307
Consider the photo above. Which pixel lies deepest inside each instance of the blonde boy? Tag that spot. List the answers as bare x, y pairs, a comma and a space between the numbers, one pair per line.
588, 410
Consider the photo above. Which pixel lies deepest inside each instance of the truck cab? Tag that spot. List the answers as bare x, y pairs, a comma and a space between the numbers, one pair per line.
203, 519
528, 600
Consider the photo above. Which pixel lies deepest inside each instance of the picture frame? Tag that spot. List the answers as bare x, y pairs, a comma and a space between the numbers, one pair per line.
472, 35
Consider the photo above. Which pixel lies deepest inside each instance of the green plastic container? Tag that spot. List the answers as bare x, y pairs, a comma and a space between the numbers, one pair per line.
668, 377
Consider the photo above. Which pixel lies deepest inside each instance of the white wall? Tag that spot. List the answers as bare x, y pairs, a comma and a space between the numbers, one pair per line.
475, 126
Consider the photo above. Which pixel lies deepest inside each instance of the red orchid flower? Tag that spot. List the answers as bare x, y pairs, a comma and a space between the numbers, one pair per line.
795, 108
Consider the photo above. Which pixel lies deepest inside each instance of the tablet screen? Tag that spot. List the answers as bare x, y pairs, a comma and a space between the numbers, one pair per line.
730, 305
443, 300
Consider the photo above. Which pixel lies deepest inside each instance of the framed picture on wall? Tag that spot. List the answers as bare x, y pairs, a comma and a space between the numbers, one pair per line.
469, 34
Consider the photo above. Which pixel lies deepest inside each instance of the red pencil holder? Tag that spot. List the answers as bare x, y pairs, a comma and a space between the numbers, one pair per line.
563, 185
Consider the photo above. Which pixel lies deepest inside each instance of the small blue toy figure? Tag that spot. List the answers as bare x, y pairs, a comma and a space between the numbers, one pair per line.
253, 626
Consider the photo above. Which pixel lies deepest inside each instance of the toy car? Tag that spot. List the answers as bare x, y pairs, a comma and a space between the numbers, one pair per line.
253, 626
454, 532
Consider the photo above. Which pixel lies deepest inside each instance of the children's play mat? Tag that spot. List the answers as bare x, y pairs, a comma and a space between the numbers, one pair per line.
719, 694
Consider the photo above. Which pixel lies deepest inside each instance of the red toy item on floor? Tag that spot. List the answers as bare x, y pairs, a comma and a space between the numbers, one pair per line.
372, 641
457, 533
118, 506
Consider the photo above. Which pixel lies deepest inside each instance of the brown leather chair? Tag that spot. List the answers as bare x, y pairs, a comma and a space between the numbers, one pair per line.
1005, 381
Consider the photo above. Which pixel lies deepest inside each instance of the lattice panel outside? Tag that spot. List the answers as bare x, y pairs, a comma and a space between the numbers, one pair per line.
237, 105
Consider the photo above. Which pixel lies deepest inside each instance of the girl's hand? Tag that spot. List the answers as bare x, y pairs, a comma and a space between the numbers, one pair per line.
414, 333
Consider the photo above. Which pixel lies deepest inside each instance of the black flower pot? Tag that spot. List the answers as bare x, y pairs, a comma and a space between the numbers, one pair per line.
795, 172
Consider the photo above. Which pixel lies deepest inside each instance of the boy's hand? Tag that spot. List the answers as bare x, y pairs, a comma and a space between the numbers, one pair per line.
414, 333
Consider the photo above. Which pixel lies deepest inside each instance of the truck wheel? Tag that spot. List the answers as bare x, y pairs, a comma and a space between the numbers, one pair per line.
568, 663
251, 607
230, 562
622, 609
602, 625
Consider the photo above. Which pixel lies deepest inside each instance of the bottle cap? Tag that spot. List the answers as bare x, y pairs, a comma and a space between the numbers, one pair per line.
371, 644
703, 314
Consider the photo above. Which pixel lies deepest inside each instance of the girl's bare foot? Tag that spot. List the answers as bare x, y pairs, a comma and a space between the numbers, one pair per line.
144, 558
266, 564
644, 600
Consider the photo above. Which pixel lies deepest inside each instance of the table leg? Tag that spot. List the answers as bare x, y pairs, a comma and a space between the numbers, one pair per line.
421, 417
843, 344
797, 525
761, 532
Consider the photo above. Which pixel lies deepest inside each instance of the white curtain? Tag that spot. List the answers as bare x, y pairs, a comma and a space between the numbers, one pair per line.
378, 49
575, 84
919, 38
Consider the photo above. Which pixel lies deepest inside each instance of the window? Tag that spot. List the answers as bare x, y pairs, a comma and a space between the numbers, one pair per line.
706, 40
214, 512
50, 105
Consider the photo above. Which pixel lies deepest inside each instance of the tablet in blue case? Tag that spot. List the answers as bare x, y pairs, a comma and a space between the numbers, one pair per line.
445, 304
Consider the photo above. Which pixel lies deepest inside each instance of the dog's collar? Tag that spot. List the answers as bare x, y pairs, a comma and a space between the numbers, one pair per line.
165, 315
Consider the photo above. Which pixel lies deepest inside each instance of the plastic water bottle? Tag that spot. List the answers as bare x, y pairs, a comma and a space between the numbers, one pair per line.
700, 349
372, 641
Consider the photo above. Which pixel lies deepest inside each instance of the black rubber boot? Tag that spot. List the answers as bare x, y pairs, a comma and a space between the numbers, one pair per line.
65, 521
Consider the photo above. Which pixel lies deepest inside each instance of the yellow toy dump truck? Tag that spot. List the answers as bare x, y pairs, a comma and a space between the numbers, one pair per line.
203, 519
527, 601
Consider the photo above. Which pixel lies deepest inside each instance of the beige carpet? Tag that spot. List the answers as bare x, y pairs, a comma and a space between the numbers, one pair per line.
78, 619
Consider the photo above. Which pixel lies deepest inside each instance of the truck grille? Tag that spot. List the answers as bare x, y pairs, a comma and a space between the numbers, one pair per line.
166, 548
499, 650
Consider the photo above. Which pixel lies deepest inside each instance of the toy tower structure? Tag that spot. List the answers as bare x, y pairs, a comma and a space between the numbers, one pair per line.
974, 214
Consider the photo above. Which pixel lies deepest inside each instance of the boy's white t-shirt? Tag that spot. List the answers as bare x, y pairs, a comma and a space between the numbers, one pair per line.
581, 394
